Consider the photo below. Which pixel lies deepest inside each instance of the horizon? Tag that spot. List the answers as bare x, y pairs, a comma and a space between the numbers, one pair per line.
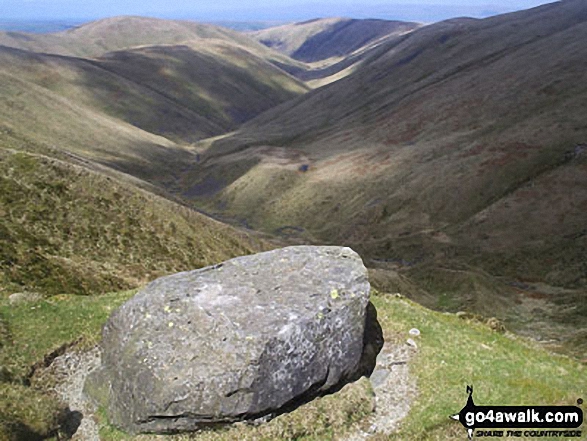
15, 11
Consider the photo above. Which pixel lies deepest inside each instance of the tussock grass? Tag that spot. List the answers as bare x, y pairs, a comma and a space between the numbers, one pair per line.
68, 230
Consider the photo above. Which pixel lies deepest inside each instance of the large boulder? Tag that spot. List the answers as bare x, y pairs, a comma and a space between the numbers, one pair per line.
246, 338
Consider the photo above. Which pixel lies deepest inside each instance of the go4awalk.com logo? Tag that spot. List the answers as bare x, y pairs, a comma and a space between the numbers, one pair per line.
520, 421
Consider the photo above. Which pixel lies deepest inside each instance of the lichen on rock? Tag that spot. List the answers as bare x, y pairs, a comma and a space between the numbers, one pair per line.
250, 337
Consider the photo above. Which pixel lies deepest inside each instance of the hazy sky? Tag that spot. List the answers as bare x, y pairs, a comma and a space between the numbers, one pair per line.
242, 10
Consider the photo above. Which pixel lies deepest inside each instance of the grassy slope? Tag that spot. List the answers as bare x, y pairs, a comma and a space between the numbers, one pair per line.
68, 229
504, 370
317, 40
329, 49
171, 91
36, 119
224, 83
458, 149
80, 229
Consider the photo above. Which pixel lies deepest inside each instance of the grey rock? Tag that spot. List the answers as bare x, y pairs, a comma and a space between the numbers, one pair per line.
247, 338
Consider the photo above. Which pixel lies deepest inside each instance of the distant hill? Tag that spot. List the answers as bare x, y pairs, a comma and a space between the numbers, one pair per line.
246, 26
320, 39
111, 34
291, 48
97, 38
330, 48
182, 92
459, 149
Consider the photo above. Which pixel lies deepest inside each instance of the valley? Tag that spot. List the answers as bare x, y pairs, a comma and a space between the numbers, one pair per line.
451, 156
446, 159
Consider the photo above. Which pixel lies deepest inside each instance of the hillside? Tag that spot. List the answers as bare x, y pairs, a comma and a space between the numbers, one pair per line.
96, 38
330, 48
320, 39
180, 92
41, 121
223, 82
459, 150
69, 229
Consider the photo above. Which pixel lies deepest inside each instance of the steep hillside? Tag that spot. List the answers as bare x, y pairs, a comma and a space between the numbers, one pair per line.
458, 150
330, 48
39, 120
320, 39
68, 229
182, 93
224, 83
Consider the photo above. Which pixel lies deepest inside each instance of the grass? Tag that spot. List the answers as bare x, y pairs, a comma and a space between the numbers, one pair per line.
31, 331
453, 353
66, 229
27, 413
40, 327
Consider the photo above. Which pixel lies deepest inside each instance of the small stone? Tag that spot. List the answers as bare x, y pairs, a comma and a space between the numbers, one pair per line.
414, 332
496, 325
411, 343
